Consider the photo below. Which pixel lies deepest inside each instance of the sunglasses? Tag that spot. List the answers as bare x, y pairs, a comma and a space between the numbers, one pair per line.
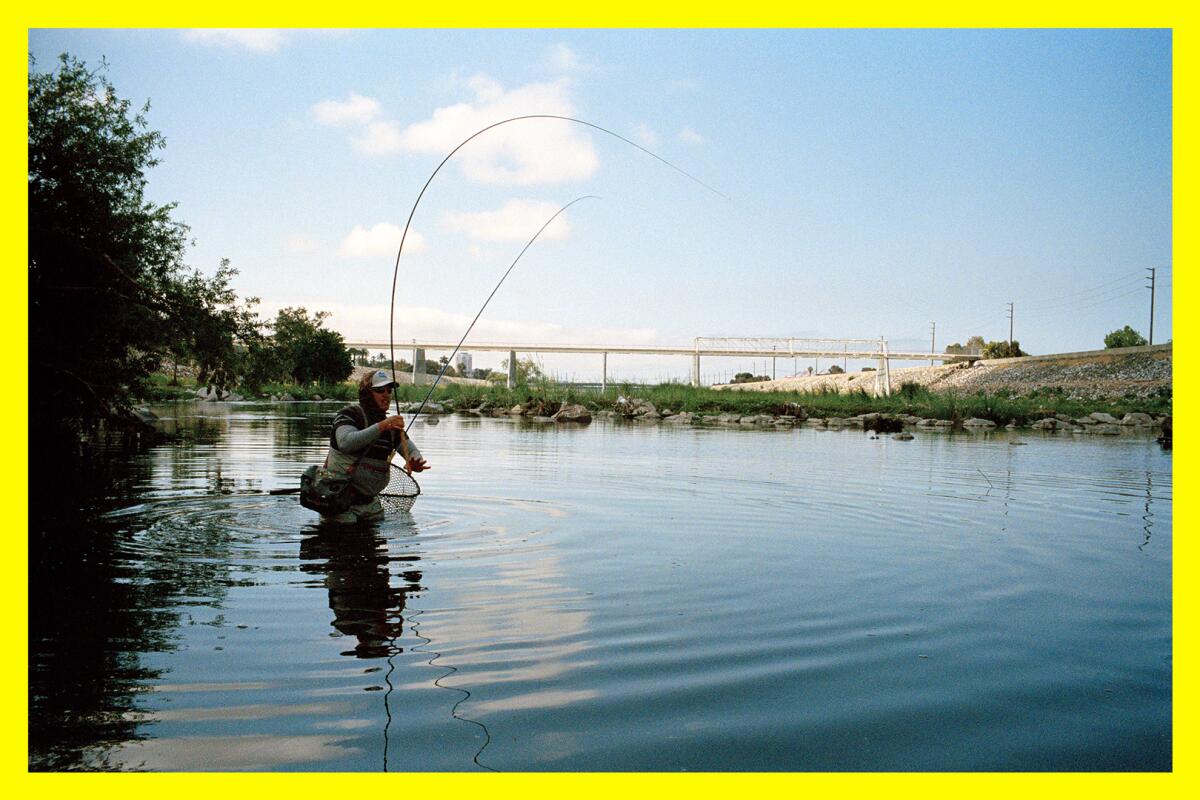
381, 389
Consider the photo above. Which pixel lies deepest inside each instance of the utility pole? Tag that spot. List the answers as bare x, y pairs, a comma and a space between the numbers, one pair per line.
932, 340
1010, 325
1151, 270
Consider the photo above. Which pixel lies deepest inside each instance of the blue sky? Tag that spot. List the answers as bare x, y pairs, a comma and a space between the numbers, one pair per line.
877, 181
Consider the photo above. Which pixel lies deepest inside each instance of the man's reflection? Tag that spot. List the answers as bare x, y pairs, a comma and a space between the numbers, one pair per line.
355, 563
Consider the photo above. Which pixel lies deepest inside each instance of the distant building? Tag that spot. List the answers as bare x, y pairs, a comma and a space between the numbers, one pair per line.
463, 364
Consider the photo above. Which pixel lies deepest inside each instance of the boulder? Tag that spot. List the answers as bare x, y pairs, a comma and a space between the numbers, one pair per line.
1108, 419
1137, 418
978, 423
572, 412
633, 407
682, 418
1047, 424
903, 436
883, 424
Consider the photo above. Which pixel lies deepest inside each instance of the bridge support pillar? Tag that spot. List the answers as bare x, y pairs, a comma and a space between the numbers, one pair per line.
604, 372
418, 366
512, 369
696, 369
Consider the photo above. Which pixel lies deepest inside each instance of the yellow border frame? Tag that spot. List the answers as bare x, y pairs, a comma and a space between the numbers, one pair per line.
542, 14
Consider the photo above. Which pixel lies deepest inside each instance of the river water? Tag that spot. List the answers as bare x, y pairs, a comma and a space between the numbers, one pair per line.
610, 597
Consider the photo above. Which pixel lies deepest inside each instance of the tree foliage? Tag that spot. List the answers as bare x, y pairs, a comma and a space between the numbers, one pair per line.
307, 353
1124, 337
109, 293
1003, 349
528, 370
973, 347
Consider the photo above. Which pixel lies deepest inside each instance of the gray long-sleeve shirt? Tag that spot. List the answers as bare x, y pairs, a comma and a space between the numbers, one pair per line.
352, 440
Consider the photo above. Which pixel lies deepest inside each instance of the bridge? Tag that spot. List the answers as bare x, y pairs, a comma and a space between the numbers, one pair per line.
702, 346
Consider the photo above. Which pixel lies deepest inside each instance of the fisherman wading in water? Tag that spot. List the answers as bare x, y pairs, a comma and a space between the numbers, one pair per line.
361, 445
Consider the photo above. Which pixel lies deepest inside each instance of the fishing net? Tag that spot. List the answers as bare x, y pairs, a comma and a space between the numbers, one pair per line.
401, 492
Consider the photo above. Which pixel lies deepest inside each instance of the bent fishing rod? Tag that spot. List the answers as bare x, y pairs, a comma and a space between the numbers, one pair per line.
446, 366
421, 194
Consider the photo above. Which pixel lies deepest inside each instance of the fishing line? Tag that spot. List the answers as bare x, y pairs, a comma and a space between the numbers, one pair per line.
446, 366
408, 223
420, 648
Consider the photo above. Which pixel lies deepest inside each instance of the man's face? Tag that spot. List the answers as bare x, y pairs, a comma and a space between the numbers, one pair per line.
382, 396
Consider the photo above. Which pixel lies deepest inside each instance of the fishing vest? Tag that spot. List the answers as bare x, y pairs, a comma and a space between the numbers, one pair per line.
370, 471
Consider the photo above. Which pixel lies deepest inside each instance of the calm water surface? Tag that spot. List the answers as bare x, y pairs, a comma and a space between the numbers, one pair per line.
610, 597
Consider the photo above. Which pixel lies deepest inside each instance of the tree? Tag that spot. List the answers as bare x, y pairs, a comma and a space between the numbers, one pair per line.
1125, 337
973, 347
109, 293
211, 329
527, 370
836, 370
306, 352
1003, 349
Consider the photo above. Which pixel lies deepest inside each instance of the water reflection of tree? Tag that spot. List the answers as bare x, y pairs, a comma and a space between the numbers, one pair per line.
356, 565
102, 593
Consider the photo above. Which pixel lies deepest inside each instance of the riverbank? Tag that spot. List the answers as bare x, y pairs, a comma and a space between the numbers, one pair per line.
1106, 392
1128, 373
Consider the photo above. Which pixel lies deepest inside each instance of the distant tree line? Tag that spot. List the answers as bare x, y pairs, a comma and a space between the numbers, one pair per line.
976, 346
111, 299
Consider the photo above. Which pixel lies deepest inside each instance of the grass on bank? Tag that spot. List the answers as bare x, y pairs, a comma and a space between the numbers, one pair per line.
1001, 407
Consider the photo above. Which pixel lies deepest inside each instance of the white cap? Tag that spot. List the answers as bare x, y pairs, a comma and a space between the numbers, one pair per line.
381, 379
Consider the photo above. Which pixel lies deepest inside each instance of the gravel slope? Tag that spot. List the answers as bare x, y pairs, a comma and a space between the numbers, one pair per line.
1093, 376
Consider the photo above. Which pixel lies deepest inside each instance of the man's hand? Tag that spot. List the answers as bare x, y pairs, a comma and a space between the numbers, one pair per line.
416, 465
392, 423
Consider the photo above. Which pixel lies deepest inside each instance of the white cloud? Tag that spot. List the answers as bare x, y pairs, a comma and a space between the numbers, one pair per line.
380, 139
354, 110
515, 221
645, 134
257, 40
561, 58
380, 240
528, 152
690, 136
302, 244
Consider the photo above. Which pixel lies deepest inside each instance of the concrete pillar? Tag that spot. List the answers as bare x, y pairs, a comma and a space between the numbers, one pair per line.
696, 369
887, 370
512, 369
418, 366
604, 372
